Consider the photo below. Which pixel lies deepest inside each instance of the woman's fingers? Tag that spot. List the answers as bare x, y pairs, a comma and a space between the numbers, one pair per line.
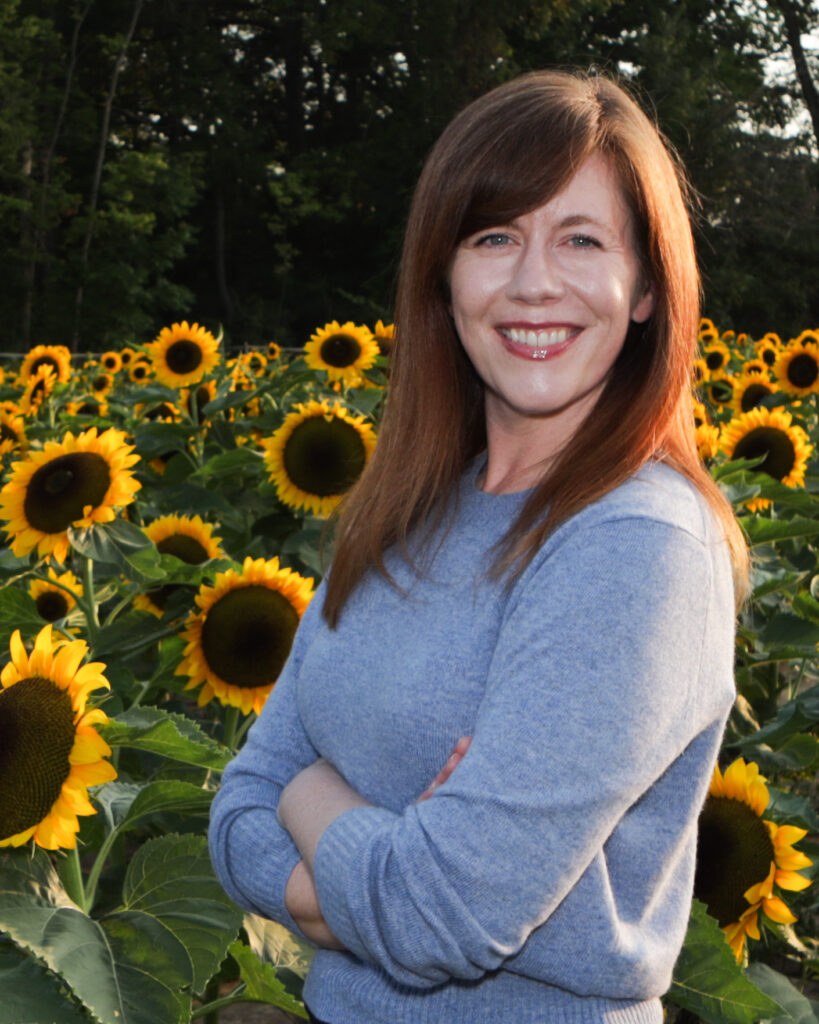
452, 763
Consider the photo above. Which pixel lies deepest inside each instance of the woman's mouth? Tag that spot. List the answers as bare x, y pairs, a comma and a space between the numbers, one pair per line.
538, 343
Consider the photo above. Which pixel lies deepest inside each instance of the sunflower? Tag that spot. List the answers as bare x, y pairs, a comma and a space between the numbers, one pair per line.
769, 433
755, 366
165, 412
57, 357
384, 336
797, 367
12, 432
343, 350
717, 355
274, 351
317, 454
75, 482
38, 387
190, 540
707, 331
241, 636
111, 362
720, 389
100, 383
202, 395
707, 441
56, 599
768, 348
139, 371
50, 752
254, 361
126, 357
699, 372
749, 391
88, 407
741, 856
182, 354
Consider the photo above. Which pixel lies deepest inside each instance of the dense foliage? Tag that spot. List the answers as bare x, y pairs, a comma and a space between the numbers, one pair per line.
253, 159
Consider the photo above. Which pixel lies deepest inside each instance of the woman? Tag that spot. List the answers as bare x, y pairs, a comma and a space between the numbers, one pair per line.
535, 559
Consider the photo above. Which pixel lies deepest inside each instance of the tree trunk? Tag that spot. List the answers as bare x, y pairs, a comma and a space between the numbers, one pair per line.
95, 185
794, 29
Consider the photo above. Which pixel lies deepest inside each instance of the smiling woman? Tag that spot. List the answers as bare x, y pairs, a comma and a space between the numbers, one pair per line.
511, 687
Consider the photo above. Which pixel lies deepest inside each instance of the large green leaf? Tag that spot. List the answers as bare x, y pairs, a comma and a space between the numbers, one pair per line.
31, 994
17, 611
765, 531
262, 983
171, 879
166, 734
791, 631
128, 968
708, 981
124, 804
797, 1008
792, 718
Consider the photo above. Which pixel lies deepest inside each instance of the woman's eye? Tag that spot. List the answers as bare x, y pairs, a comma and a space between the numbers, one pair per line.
493, 239
584, 242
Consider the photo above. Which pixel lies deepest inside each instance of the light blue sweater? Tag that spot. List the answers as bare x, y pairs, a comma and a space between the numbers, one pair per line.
549, 880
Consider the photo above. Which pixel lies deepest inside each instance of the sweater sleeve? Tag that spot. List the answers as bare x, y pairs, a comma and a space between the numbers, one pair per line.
592, 693
253, 856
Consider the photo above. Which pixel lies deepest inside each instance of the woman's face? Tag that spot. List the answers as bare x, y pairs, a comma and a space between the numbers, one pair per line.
542, 305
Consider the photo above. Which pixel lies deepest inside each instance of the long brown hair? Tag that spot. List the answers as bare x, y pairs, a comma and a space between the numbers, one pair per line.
506, 154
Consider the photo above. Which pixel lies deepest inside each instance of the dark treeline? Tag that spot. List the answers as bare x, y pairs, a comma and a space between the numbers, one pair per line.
249, 162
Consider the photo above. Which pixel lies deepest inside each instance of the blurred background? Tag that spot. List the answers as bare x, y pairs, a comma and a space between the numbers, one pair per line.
249, 163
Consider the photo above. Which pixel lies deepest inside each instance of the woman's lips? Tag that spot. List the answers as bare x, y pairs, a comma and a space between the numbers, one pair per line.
538, 342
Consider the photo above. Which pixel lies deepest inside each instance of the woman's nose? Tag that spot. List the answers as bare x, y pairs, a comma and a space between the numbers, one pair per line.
535, 275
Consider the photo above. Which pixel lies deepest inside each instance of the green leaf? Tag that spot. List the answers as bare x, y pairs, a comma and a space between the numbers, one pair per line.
262, 984
792, 718
166, 734
126, 803
791, 631
31, 993
17, 611
797, 1008
709, 982
129, 633
171, 878
760, 530
229, 463
791, 809
127, 969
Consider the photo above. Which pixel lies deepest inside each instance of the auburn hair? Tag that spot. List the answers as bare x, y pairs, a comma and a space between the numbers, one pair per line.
507, 153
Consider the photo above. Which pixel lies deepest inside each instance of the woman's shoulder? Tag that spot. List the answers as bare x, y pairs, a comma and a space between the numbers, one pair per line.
659, 493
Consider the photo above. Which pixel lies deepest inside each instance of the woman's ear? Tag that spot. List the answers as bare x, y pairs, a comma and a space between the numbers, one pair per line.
644, 305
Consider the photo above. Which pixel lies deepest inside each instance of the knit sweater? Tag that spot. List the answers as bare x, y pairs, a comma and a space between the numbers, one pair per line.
550, 878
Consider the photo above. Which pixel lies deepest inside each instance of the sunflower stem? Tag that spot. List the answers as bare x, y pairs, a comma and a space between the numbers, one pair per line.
240, 732
89, 601
231, 724
793, 689
70, 874
96, 870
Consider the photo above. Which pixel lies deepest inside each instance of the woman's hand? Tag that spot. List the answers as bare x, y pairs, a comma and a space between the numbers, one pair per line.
303, 906
452, 763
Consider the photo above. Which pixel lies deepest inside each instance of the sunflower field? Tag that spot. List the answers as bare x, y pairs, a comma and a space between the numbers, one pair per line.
165, 511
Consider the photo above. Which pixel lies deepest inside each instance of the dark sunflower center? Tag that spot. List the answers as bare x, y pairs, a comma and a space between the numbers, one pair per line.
52, 605
340, 350
774, 444
803, 370
88, 409
721, 391
753, 395
247, 634
187, 549
7, 434
734, 852
183, 356
45, 361
769, 356
714, 360
99, 383
161, 411
324, 457
36, 737
139, 371
109, 362
59, 491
